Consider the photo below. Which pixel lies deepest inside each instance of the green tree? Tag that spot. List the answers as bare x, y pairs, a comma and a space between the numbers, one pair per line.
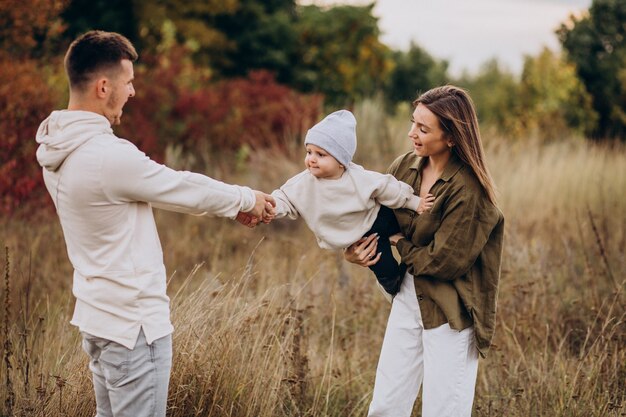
553, 99
232, 37
153, 27
193, 25
596, 44
414, 71
495, 92
110, 15
264, 38
341, 54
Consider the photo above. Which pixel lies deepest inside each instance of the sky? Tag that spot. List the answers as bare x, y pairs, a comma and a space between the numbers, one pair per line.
467, 33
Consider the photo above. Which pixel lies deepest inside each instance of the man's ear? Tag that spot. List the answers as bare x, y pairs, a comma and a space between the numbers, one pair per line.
102, 87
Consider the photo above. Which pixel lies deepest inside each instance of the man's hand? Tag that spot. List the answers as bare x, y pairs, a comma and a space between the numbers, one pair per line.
247, 219
261, 204
363, 252
263, 211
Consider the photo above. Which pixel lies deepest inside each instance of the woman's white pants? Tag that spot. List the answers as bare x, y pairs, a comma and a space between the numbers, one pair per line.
445, 360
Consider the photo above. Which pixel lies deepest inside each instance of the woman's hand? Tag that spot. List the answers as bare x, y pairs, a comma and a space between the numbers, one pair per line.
393, 239
363, 252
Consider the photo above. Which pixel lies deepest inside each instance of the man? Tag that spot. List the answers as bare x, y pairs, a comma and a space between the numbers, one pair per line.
104, 189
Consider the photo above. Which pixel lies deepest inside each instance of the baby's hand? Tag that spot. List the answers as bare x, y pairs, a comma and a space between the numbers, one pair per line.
426, 203
268, 213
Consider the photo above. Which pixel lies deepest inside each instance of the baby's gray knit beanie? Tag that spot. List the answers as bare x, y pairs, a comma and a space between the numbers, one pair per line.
336, 134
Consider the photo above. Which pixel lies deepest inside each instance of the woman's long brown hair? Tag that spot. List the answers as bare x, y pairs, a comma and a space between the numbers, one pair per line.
455, 110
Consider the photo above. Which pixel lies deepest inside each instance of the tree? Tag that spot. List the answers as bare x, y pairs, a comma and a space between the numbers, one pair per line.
26, 26
341, 55
111, 15
232, 37
25, 100
27, 29
553, 99
264, 38
335, 51
596, 44
495, 93
414, 71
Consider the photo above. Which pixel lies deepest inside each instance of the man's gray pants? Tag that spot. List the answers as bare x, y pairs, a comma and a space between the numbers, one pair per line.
129, 383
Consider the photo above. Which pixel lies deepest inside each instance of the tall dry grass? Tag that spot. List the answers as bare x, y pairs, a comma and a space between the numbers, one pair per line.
267, 324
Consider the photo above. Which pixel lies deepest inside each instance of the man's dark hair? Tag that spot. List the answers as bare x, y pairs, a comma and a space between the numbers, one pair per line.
96, 51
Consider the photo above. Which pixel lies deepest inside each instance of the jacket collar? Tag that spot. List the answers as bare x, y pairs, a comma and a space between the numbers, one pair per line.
452, 167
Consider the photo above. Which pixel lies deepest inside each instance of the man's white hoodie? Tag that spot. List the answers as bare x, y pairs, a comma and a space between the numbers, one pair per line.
104, 189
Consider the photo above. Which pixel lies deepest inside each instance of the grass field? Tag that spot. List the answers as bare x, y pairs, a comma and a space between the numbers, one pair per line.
269, 325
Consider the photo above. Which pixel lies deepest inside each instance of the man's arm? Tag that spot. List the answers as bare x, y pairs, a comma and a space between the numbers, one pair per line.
128, 175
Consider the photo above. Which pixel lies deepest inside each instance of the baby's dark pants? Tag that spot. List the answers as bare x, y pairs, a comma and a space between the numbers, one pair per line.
388, 273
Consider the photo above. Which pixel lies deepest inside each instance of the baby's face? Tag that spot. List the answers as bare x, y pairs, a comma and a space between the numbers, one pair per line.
321, 164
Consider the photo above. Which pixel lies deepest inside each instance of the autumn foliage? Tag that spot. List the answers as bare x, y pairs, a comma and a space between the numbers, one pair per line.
178, 105
25, 100
26, 27
255, 111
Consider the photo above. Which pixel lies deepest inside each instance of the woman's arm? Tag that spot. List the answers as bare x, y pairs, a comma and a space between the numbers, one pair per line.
465, 228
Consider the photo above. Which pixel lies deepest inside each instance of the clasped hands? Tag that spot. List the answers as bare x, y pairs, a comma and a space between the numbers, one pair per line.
262, 212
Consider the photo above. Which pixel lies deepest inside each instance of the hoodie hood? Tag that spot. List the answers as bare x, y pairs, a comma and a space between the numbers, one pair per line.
64, 131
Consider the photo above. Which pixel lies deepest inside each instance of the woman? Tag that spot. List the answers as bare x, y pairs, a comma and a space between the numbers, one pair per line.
444, 314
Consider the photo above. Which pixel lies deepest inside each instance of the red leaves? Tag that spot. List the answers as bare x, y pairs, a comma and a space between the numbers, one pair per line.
254, 111
176, 104
25, 100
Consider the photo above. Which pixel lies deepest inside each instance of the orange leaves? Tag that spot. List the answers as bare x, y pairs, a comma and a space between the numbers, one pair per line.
25, 100
176, 104
23, 21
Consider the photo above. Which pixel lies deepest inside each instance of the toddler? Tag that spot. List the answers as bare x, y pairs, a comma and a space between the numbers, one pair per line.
341, 201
